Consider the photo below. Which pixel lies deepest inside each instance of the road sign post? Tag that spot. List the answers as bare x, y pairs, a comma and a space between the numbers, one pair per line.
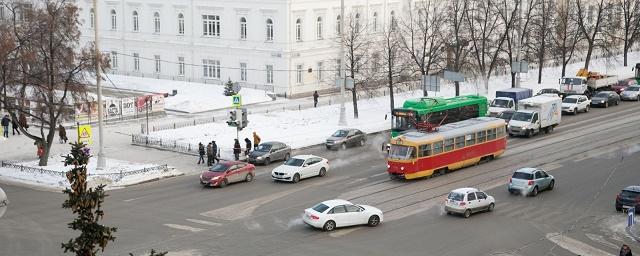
236, 101
85, 135
631, 217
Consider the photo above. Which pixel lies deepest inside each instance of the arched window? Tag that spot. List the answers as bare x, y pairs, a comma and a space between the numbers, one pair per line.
180, 24
357, 23
156, 22
243, 28
92, 17
338, 24
374, 23
136, 23
319, 28
114, 20
269, 30
298, 30
393, 21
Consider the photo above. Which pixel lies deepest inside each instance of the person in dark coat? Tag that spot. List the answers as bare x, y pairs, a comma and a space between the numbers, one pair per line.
625, 250
315, 98
62, 133
247, 143
215, 151
236, 149
22, 121
201, 153
5, 126
209, 154
14, 125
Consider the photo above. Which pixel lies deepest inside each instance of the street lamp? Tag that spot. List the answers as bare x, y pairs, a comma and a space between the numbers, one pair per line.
343, 72
102, 162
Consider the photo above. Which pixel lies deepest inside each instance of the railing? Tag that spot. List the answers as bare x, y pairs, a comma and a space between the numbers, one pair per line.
115, 176
181, 147
177, 125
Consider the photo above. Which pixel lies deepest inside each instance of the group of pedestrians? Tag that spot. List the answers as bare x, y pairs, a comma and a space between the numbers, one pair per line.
212, 151
15, 124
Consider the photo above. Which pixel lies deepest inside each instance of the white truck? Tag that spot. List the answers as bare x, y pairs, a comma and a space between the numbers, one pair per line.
586, 83
534, 115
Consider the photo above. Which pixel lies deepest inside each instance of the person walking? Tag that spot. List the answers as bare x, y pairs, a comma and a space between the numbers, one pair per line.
209, 154
625, 250
256, 140
62, 133
216, 152
5, 126
315, 98
201, 153
22, 121
14, 126
236, 149
247, 142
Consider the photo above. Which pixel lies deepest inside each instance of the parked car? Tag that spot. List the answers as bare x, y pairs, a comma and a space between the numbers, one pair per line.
631, 93
576, 103
466, 201
529, 181
605, 98
622, 85
628, 198
341, 213
506, 115
270, 151
301, 167
550, 91
344, 138
224, 173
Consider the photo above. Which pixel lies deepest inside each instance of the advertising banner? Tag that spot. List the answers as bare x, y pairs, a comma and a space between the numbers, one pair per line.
128, 107
158, 103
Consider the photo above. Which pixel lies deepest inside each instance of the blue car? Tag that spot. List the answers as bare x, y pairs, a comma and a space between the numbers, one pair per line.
530, 181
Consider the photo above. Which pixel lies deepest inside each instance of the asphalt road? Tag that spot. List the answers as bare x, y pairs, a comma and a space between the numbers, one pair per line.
585, 154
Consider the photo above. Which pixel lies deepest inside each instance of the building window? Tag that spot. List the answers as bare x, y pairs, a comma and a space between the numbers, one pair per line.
114, 20
180, 24
269, 74
156, 22
299, 74
338, 24
211, 25
211, 68
319, 28
243, 71
269, 30
136, 62
393, 21
157, 61
357, 23
180, 66
298, 30
114, 60
136, 23
320, 67
243, 28
339, 67
374, 25
92, 17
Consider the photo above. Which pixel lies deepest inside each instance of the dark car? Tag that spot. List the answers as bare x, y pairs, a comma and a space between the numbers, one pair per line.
623, 84
223, 173
270, 151
629, 197
605, 98
506, 115
344, 138
550, 91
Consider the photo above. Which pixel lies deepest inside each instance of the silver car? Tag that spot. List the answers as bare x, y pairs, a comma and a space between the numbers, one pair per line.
631, 93
529, 181
268, 152
344, 138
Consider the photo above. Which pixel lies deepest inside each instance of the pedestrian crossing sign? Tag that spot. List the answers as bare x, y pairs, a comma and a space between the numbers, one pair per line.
237, 101
84, 134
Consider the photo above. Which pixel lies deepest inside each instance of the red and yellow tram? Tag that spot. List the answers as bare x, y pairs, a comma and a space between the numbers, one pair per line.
452, 146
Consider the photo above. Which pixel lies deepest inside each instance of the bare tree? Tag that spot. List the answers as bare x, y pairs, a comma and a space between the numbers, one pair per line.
357, 45
565, 35
630, 24
590, 26
509, 13
392, 60
541, 34
458, 39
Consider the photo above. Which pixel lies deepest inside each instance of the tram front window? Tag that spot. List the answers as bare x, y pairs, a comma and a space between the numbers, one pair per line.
401, 152
402, 123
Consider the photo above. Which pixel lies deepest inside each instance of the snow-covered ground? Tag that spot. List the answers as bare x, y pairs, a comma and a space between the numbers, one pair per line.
312, 126
191, 97
57, 181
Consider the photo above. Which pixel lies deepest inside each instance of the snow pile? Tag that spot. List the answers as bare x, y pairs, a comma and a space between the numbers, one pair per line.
55, 179
191, 97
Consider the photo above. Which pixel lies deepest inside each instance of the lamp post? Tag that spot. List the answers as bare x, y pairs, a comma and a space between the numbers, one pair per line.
343, 73
102, 162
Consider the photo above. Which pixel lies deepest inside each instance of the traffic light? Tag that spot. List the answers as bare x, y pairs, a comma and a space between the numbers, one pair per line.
232, 120
244, 120
239, 119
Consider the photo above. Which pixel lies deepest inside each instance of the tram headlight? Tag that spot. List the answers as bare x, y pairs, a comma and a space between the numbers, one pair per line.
388, 166
402, 168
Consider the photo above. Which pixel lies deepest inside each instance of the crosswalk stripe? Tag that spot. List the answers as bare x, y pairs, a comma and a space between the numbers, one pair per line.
204, 222
575, 246
188, 228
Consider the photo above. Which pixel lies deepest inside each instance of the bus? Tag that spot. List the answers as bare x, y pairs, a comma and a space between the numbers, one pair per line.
453, 146
426, 113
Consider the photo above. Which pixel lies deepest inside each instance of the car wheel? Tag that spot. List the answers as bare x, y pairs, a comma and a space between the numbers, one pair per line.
535, 191
362, 142
323, 172
491, 206
329, 225
638, 99
586, 109
575, 111
248, 178
551, 184
619, 209
343, 146
529, 134
328, 147
617, 102
223, 183
296, 178
467, 213
286, 157
550, 129
374, 220
606, 104
267, 161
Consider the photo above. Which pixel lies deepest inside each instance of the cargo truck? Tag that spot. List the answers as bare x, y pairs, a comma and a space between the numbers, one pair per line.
586, 83
507, 99
534, 115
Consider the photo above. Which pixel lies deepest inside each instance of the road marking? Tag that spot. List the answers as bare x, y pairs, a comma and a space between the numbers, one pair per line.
192, 229
132, 199
343, 232
204, 222
379, 174
602, 240
575, 246
355, 181
551, 166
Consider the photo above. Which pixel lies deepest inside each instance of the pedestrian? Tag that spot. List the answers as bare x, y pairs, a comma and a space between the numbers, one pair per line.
256, 140
216, 152
247, 142
62, 133
236, 149
40, 147
209, 154
22, 121
201, 153
625, 250
14, 125
315, 99
5, 126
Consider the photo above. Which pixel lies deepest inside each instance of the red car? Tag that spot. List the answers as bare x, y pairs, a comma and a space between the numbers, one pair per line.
623, 84
221, 174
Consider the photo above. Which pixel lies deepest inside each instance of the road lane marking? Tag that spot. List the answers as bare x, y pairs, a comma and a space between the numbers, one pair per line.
379, 174
551, 166
192, 229
355, 181
600, 239
343, 232
575, 246
132, 199
204, 222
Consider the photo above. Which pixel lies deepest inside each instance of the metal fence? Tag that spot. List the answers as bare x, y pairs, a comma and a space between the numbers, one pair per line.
115, 176
181, 147
188, 123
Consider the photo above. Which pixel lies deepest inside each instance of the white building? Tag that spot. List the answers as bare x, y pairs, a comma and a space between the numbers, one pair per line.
267, 44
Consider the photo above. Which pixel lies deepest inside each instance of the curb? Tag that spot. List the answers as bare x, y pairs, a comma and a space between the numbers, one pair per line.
632, 234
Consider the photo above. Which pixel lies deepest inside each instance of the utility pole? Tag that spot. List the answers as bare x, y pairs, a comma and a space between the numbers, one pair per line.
343, 71
520, 32
102, 162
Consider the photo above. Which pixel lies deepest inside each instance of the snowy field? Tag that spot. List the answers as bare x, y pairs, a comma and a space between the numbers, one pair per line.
312, 126
191, 97
109, 176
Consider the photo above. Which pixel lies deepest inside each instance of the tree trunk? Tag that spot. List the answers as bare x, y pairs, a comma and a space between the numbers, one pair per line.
625, 50
355, 102
391, 91
513, 80
540, 63
457, 84
588, 57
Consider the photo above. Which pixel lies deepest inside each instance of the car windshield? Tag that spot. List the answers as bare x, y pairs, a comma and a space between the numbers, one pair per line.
294, 162
521, 116
633, 88
340, 133
627, 193
320, 207
219, 168
455, 196
500, 103
602, 95
522, 176
264, 148
570, 100
401, 152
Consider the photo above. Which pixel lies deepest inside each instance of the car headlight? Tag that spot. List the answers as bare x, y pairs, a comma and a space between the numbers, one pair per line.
215, 178
200, 176
259, 158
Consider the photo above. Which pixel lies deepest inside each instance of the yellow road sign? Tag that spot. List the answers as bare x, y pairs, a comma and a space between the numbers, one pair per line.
84, 134
237, 100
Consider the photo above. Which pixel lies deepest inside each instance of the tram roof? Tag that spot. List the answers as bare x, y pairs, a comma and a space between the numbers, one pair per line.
451, 130
439, 103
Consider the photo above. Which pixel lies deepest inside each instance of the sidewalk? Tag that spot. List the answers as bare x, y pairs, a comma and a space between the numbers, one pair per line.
634, 232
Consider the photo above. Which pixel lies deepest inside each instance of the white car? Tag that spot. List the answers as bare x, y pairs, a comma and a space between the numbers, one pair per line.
467, 201
301, 167
341, 213
576, 103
